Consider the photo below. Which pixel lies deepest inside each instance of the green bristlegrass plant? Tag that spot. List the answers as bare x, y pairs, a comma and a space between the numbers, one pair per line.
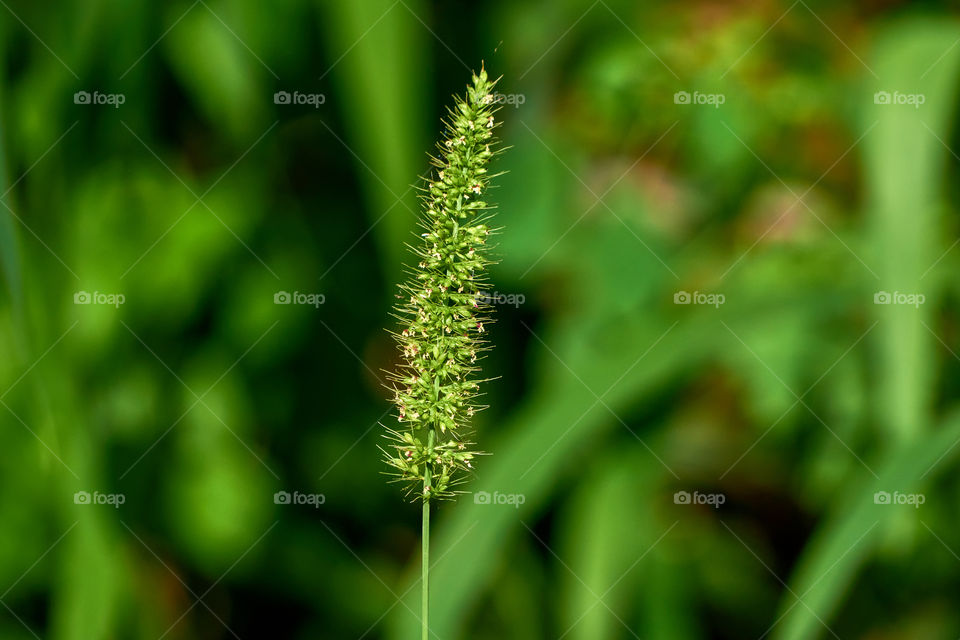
443, 313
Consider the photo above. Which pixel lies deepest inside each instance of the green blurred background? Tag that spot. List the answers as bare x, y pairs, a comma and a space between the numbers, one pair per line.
787, 197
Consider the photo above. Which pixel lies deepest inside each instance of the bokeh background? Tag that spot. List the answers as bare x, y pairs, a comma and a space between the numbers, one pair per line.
725, 468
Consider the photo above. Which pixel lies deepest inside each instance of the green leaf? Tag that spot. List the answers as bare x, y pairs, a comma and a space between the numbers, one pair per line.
905, 160
379, 66
830, 561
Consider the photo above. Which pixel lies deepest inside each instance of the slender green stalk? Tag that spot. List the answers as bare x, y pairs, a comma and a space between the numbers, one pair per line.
425, 571
425, 559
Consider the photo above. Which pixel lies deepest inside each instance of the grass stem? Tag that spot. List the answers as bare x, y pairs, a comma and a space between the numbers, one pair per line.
425, 605
425, 561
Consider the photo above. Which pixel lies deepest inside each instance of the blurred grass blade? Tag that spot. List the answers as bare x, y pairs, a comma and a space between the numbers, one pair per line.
603, 532
9, 255
905, 162
614, 543
87, 586
848, 537
380, 71
904, 172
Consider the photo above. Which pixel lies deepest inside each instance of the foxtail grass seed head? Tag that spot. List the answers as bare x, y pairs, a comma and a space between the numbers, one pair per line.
442, 317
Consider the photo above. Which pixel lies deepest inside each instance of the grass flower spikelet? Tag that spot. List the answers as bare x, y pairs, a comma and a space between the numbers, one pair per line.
441, 313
